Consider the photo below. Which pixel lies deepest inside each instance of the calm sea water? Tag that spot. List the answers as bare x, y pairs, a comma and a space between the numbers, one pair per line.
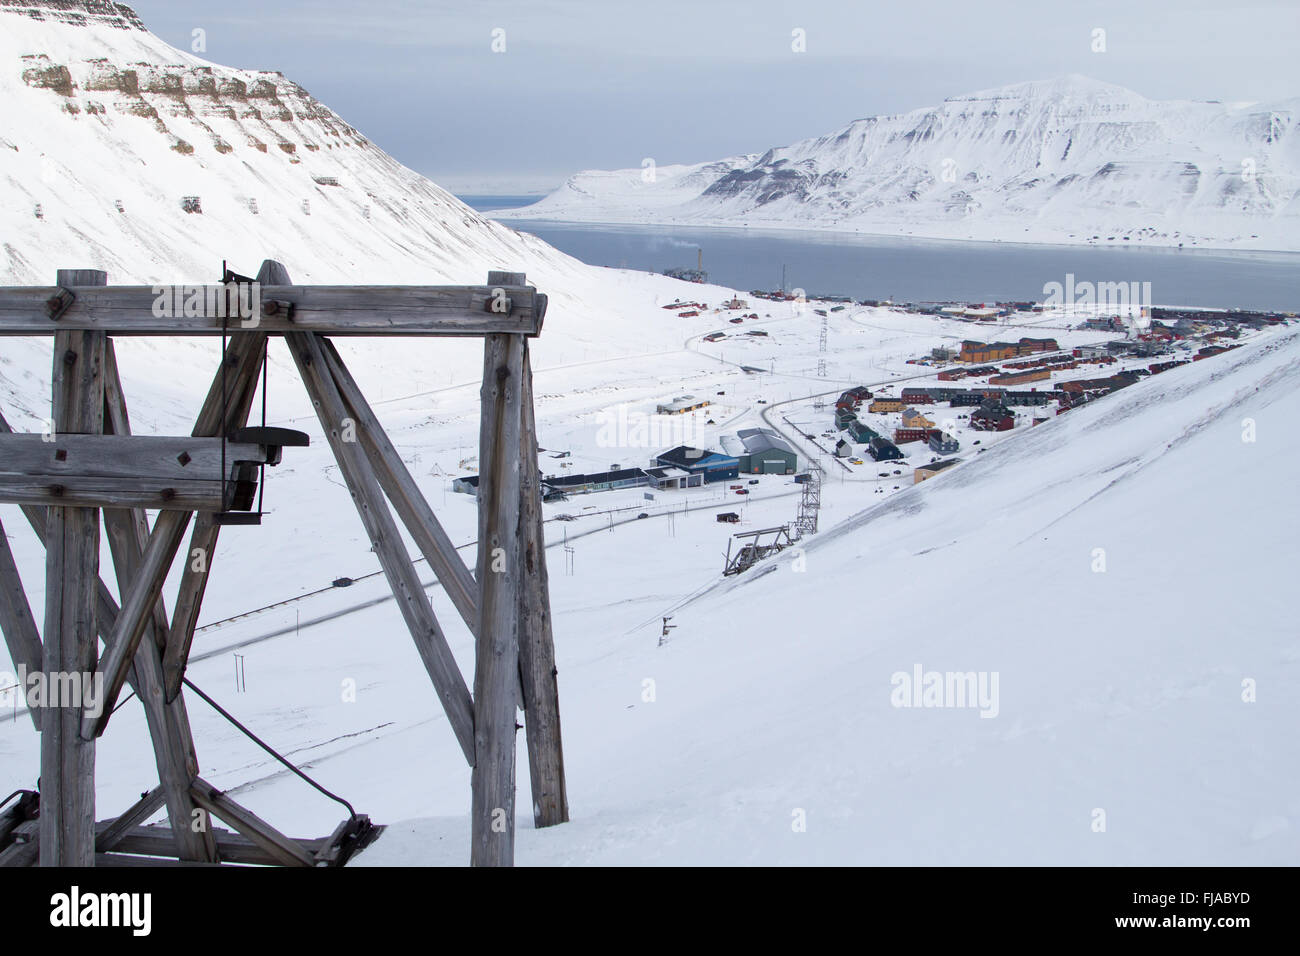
922, 270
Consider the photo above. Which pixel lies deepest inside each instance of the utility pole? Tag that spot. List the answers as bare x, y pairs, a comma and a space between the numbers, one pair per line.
663, 636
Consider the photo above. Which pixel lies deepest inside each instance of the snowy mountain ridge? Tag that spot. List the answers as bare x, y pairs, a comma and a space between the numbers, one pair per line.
1070, 159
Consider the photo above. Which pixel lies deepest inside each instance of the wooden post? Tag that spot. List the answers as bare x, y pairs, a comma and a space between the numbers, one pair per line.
499, 575
67, 823
537, 669
169, 725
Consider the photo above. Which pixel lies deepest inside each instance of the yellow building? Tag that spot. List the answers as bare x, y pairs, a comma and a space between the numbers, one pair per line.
914, 419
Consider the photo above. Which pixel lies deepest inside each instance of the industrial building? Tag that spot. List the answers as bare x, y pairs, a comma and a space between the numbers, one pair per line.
680, 405
710, 465
671, 479
929, 471
602, 481
761, 451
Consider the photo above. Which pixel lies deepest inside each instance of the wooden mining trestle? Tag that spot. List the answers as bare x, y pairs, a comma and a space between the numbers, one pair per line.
88, 463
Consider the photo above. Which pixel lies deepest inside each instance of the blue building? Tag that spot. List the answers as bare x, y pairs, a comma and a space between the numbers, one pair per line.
710, 464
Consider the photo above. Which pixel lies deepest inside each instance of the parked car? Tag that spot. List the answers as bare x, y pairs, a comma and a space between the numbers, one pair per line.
856, 461
742, 491
753, 481
734, 487
729, 516
643, 515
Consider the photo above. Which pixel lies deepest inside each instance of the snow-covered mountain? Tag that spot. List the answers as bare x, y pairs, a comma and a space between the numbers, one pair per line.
121, 152
1065, 160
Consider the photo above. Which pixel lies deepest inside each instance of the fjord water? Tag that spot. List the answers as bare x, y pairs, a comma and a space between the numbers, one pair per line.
923, 270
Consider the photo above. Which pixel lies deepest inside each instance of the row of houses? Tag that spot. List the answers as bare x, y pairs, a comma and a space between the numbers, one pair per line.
1019, 378
971, 397
853, 398
957, 374
977, 352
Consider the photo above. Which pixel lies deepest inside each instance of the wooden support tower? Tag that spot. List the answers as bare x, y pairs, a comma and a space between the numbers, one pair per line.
88, 467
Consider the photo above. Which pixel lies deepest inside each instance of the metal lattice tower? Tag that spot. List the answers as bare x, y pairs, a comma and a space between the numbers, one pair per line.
821, 348
810, 504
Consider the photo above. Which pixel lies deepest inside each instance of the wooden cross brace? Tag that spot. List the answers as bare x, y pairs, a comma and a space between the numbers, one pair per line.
504, 604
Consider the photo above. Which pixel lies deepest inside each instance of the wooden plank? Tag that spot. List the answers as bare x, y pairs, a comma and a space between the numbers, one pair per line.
111, 834
400, 488
26, 848
137, 606
67, 822
285, 850
537, 671
499, 572
231, 847
119, 860
169, 727
386, 541
333, 310
146, 458
175, 496
16, 620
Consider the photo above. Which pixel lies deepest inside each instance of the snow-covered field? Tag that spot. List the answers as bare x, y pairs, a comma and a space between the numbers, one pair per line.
1115, 580
1069, 160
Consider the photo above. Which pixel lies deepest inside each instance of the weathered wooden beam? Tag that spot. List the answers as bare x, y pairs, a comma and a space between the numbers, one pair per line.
332, 310
26, 848
84, 492
169, 726
499, 573
231, 847
285, 850
385, 539
400, 488
137, 606
146, 458
67, 823
537, 671
111, 834
16, 620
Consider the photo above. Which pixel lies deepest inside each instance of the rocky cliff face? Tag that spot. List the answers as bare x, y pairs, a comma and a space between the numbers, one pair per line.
121, 152
77, 13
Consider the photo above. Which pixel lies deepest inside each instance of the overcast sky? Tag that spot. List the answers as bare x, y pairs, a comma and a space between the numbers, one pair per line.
587, 84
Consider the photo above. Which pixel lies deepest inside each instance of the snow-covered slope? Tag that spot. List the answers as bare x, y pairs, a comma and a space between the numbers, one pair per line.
1065, 160
1146, 698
